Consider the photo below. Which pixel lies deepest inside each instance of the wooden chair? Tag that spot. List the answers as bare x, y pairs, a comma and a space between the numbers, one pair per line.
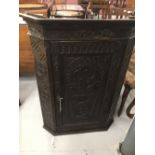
117, 7
108, 7
129, 84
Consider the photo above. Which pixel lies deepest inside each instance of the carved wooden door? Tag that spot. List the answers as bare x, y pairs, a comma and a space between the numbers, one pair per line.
84, 74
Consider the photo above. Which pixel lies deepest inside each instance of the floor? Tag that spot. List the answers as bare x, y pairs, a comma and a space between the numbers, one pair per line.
34, 140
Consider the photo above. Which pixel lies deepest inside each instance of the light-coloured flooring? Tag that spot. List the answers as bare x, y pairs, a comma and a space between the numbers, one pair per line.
35, 140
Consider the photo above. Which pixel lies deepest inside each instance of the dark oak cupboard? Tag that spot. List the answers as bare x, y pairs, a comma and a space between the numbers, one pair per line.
80, 68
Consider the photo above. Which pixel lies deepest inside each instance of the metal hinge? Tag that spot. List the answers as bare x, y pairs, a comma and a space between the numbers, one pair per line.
60, 103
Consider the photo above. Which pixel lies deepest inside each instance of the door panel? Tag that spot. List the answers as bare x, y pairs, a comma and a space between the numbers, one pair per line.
84, 78
85, 74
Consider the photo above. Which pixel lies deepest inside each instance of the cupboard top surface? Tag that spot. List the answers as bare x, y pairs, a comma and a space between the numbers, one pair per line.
43, 19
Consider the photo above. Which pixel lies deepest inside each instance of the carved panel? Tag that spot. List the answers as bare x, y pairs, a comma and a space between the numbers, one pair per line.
85, 47
43, 80
81, 75
104, 34
35, 30
84, 79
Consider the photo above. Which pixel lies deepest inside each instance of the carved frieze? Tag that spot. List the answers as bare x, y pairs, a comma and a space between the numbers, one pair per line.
105, 34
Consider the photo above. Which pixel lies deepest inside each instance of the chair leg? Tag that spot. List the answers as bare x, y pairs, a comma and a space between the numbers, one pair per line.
129, 109
124, 97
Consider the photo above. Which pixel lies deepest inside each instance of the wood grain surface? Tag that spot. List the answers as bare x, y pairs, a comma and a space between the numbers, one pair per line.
26, 60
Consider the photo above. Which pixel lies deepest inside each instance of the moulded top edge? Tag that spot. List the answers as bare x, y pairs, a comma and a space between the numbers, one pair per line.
41, 19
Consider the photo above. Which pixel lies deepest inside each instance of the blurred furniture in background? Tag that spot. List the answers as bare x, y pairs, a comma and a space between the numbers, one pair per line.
29, 1
26, 59
116, 7
129, 84
124, 3
60, 1
27, 7
131, 4
108, 8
